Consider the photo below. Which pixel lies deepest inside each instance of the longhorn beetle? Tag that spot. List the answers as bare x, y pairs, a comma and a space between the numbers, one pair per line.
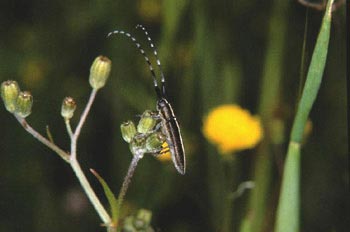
169, 124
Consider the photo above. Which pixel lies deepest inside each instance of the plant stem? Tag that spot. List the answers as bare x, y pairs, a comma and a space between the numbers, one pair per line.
85, 113
72, 160
69, 128
42, 139
90, 192
76, 167
288, 210
269, 103
288, 214
127, 180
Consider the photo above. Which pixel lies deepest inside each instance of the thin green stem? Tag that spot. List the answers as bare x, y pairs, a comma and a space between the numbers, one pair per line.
64, 155
85, 113
227, 222
230, 165
303, 56
127, 180
74, 138
71, 159
69, 128
75, 164
268, 105
90, 192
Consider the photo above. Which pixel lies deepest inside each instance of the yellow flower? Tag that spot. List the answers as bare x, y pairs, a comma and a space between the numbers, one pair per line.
165, 155
232, 128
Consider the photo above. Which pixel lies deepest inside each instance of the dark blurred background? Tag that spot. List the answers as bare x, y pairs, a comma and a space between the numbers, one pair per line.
213, 52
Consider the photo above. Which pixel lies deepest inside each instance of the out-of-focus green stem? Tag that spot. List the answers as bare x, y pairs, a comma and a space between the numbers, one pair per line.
303, 56
289, 202
206, 70
172, 12
269, 100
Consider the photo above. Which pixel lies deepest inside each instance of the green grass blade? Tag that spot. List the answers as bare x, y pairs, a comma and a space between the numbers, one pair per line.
112, 200
314, 77
269, 101
288, 208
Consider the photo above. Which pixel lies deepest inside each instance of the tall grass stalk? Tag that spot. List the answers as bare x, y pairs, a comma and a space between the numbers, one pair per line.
207, 85
289, 203
269, 100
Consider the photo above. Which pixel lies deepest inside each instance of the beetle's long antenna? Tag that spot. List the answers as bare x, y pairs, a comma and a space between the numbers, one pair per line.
155, 54
138, 45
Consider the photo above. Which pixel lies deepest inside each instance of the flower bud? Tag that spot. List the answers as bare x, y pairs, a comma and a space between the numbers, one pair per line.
147, 122
24, 104
154, 142
99, 72
9, 94
128, 130
142, 219
137, 145
68, 108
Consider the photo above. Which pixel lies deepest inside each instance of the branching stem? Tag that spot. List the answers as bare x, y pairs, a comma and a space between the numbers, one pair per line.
64, 155
72, 158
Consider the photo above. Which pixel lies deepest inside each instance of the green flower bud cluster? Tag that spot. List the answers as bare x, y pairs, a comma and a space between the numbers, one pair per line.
15, 101
140, 222
144, 139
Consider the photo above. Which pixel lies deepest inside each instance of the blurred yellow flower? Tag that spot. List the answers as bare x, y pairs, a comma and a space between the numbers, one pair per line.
33, 72
165, 155
149, 10
307, 130
232, 128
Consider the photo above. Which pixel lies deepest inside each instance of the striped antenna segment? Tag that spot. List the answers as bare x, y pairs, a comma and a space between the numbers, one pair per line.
138, 45
155, 54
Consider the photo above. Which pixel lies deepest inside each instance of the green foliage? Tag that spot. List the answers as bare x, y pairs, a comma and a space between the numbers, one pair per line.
112, 200
212, 53
288, 211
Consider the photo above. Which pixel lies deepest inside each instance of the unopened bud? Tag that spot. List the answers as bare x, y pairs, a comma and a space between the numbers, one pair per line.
24, 104
142, 219
9, 94
68, 108
154, 142
139, 222
128, 130
147, 122
99, 72
137, 145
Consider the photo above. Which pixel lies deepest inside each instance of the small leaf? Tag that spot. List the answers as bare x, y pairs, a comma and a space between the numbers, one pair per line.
112, 200
49, 135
